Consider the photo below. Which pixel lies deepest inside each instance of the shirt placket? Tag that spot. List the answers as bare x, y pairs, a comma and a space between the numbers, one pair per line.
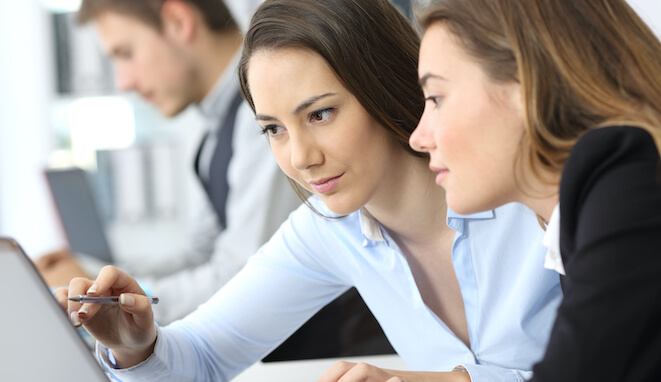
462, 261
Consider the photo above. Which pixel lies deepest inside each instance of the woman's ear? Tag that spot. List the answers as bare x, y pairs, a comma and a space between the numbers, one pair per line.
180, 21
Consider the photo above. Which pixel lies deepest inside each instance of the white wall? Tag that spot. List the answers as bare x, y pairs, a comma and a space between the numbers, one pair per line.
650, 11
242, 11
26, 84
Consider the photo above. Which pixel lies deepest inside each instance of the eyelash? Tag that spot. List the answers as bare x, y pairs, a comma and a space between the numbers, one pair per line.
436, 100
272, 130
329, 110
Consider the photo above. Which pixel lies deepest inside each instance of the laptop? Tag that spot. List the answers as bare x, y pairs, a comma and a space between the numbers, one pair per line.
38, 343
79, 213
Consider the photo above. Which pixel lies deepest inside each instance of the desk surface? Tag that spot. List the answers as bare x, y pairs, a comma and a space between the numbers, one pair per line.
310, 370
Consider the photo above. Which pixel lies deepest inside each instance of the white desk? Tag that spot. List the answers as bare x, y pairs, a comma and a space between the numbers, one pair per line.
310, 370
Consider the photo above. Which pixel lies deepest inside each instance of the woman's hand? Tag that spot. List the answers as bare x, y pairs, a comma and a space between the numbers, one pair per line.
128, 328
354, 372
58, 268
362, 372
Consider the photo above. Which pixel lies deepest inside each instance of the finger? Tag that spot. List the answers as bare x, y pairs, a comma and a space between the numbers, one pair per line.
41, 263
336, 371
62, 295
45, 262
139, 306
395, 379
77, 287
50, 259
362, 372
62, 254
112, 278
88, 311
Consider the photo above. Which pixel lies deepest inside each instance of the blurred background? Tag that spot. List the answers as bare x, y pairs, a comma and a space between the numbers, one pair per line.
59, 108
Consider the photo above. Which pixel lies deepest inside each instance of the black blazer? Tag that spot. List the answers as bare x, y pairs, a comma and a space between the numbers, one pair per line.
609, 324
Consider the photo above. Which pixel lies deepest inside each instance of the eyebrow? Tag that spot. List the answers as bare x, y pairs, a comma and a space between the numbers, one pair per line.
428, 76
304, 105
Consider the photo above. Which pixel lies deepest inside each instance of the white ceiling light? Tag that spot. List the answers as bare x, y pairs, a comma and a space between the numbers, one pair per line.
61, 6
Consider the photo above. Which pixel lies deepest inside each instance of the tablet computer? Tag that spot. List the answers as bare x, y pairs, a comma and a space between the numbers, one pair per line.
78, 210
37, 341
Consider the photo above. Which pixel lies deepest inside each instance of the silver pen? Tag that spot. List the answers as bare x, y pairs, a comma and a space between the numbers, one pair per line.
108, 300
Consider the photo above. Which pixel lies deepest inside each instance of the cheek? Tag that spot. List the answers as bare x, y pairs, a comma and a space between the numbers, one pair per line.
452, 139
428, 131
281, 154
373, 151
353, 140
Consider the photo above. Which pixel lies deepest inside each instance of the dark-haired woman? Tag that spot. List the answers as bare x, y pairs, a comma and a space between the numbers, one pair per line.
333, 84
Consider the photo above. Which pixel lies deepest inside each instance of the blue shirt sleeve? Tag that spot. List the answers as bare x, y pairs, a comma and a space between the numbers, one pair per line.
282, 286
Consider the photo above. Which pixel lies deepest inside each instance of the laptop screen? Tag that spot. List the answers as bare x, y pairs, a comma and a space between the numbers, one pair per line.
37, 341
79, 213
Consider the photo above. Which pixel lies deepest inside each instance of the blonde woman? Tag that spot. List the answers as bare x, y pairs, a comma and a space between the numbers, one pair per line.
557, 105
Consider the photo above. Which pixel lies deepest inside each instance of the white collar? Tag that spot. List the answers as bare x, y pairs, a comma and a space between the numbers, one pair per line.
370, 227
215, 104
553, 259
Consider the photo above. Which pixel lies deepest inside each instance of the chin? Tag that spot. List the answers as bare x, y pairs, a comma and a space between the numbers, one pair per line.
171, 111
341, 207
464, 206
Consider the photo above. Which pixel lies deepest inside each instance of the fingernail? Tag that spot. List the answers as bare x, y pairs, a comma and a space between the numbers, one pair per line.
126, 300
75, 320
83, 311
92, 289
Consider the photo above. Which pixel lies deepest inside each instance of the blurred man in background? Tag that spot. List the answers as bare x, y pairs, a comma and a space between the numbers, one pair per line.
176, 54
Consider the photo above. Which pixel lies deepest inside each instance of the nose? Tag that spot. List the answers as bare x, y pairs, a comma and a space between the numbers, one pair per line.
304, 151
124, 78
422, 139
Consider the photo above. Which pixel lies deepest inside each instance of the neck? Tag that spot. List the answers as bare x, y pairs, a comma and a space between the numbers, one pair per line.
410, 205
214, 56
543, 207
543, 200
540, 193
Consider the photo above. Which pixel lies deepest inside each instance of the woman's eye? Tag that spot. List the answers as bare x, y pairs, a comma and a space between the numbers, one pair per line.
273, 130
436, 100
321, 116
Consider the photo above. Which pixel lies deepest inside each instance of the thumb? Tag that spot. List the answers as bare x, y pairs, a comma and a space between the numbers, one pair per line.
139, 306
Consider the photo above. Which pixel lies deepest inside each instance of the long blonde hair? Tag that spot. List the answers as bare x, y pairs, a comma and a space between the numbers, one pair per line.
581, 64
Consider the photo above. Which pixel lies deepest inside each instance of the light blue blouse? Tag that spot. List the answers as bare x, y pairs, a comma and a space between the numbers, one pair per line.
509, 298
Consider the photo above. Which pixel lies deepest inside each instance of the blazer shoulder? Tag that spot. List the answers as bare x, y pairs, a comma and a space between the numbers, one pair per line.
610, 146
611, 182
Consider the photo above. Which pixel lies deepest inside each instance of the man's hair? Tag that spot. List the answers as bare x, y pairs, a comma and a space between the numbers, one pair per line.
216, 14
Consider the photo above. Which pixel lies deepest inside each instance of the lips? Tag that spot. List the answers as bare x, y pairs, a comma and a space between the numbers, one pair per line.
441, 173
326, 185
